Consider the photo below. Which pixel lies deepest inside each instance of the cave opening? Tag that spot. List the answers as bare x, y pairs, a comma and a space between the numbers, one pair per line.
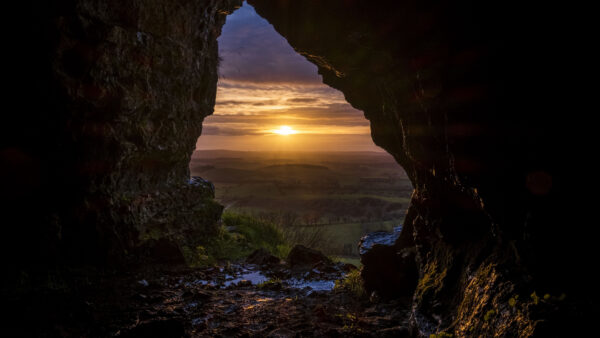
285, 148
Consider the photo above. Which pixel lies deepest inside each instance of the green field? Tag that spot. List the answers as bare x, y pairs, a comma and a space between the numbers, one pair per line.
337, 197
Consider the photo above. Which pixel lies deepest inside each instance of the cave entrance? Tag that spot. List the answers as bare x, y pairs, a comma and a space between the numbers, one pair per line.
285, 148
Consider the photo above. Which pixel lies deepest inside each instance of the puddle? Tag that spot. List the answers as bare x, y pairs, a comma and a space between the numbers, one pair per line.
199, 282
314, 285
254, 277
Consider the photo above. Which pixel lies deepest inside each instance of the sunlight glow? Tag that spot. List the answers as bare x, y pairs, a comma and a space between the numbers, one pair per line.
285, 130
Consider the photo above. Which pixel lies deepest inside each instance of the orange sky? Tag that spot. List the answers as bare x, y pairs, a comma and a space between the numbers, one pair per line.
264, 84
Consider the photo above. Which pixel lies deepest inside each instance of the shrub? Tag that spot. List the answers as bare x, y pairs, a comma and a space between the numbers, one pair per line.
257, 234
353, 283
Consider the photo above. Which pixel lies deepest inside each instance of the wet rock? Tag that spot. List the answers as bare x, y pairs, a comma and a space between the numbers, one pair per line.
198, 181
325, 267
262, 257
169, 328
378, 240
384, 270
303, 257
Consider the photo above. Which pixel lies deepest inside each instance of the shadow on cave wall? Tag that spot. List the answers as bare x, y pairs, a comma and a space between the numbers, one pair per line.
474, 102
461, 100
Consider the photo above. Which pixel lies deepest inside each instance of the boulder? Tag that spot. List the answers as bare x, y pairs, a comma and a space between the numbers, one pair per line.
387, 270
198, 181
262, 257
303, 257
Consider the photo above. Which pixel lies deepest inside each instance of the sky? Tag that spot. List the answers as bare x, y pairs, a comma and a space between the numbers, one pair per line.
270, 98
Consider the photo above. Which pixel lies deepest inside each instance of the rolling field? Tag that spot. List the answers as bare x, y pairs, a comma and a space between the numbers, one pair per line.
341, 196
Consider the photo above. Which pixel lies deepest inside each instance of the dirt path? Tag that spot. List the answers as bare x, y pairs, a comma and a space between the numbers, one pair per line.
267, 299
240, 300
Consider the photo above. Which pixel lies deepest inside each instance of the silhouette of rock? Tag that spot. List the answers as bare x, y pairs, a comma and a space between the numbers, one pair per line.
386, 271
472, 123
262, 257
303, 257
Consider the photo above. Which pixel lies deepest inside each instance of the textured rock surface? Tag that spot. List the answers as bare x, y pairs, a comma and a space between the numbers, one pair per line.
459, 95
96, 163
108, 97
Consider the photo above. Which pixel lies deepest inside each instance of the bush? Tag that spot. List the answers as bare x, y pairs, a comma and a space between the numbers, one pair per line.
249, 234
353, 283
256, 234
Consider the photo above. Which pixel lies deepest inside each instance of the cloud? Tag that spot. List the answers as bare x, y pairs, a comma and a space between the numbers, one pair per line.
225, 131
265, 84
302, 100
252, 51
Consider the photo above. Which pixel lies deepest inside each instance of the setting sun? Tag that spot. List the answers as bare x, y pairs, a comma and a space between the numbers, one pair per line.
285, 130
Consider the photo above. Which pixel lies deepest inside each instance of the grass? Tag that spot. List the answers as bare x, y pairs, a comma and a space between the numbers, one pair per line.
353, 283
248, 235
258, 234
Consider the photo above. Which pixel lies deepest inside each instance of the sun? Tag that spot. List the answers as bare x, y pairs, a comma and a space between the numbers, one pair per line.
285, 130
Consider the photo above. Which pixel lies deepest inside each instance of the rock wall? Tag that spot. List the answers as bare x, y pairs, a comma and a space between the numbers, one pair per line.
467, 97
109, 99
104, 101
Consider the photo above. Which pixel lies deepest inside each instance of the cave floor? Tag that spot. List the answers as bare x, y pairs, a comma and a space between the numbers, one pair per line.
237, 300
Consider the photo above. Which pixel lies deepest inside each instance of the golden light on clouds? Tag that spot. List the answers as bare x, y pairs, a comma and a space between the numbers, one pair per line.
285, 130
263, 116
267, 91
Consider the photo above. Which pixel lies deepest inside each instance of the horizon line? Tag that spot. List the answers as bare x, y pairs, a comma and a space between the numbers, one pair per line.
298, 151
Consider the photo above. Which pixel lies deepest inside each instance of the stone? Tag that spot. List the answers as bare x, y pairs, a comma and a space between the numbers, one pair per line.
244, 283
303, 257
198, 181
262, 257
378, 240
384, 271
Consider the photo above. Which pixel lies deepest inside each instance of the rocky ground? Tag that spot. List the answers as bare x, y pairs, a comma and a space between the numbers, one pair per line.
261, 297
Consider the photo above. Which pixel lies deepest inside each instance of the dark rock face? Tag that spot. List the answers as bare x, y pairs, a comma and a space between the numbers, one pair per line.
95, 163
461, 99
109, 97
386, 270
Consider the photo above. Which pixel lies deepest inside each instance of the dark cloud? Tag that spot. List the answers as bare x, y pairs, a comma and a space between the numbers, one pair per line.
232, 103
313, 117
302, 100
265, 84
241, 103
251, 50
226, 131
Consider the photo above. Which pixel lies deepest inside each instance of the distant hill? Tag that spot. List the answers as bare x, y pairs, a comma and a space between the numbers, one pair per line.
296, 166
232, 154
